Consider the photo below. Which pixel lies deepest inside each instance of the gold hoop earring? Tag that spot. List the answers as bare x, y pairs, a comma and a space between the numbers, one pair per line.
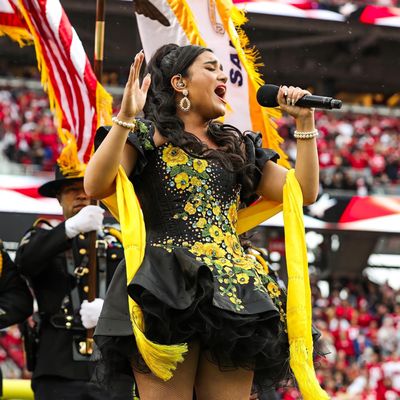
184, 104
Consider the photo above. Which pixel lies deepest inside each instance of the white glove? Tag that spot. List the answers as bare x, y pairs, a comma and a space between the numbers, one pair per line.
90, 312
90, 218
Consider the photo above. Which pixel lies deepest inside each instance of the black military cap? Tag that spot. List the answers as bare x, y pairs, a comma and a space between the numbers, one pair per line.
52, 188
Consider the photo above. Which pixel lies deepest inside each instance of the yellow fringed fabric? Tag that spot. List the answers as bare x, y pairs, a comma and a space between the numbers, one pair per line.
187, 21
298, 308
103, 105
250, 217
124, 205
1, 263
19, 35
233, 19
68, 160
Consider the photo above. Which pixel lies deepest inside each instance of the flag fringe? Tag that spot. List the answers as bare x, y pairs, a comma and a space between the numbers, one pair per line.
160, 358
187, 21
19, 35
104, 102
68, 161
233, 19
302, 367
298, 306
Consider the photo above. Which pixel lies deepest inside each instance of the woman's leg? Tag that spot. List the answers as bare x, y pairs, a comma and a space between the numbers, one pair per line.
179, 387
212, 383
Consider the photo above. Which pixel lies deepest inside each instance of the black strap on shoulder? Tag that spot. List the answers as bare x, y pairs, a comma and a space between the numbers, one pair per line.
101, 248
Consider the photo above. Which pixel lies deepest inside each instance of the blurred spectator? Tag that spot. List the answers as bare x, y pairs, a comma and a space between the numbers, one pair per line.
357, 153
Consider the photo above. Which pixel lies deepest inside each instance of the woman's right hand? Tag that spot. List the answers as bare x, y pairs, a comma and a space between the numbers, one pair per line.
134, 96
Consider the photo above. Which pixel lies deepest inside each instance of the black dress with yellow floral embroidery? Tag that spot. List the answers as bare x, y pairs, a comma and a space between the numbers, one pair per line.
196, 283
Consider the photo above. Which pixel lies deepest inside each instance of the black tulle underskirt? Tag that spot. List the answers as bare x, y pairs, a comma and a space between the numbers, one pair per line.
255, 342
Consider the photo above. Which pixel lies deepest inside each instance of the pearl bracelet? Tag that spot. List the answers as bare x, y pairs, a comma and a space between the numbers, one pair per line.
306, 135
128, 125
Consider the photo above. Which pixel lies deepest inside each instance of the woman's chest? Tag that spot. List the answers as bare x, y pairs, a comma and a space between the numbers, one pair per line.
178, 177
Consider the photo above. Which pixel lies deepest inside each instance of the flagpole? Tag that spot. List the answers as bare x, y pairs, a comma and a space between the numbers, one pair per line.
98, 70
99, 39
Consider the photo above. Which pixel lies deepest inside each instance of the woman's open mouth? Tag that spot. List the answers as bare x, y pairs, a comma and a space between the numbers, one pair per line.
220, 91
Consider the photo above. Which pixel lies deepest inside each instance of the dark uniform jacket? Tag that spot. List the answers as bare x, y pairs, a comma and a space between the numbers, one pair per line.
60, 285
16, 302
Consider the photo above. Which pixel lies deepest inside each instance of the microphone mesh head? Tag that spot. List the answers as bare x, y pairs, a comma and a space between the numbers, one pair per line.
266, 95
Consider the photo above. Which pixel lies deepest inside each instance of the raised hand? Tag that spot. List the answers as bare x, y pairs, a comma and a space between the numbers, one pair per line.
134, 96
287, 98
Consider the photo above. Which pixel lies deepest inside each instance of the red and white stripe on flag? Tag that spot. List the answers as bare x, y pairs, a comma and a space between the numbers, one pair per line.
12, 22
78, 100
214, 24
70, 80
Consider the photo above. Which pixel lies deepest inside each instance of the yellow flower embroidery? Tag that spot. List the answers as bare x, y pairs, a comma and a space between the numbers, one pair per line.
229, 240
232, 214
189, 208
224, 262
207, 261
201, 223
198, 249
273, 289
213, 250
228, 270
260, 269
195, 181
216, 210
216, 234
242, 278
243, 263
257, 281
197, 202
232, 245
236, 301
174, 156
182, 180
200, 165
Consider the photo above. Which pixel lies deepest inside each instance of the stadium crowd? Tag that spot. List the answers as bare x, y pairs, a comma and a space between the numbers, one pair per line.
27, 132
360, 325
357, 152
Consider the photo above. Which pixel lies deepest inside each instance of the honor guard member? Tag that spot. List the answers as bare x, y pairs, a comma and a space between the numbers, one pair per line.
55, 260
16, 302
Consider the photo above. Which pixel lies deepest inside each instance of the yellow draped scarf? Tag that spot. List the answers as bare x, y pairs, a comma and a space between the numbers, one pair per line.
163, 359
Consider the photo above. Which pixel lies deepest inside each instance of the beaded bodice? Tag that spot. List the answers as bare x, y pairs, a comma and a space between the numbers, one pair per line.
192, 203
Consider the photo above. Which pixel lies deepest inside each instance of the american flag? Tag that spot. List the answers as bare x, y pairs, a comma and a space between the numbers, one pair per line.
79, 102
12, 22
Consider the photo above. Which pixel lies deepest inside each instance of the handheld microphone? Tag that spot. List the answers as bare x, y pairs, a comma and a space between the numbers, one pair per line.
266, 97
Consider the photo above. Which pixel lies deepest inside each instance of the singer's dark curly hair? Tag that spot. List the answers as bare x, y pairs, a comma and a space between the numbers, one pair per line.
161, 108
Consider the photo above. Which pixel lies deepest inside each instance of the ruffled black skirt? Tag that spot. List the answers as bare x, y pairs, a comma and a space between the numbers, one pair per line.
177, 298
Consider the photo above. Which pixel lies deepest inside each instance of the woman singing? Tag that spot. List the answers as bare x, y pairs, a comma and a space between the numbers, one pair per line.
195, 284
